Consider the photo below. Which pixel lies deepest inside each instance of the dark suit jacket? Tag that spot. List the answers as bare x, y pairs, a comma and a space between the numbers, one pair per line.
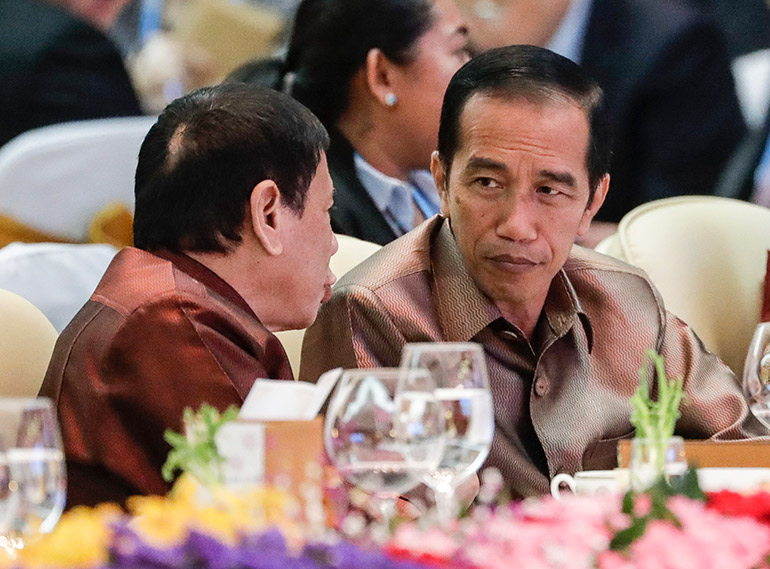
674, 114
55, 68
354, 212
160, 333
746, 23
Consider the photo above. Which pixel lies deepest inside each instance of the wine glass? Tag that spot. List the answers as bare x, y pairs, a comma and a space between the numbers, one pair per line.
8, 502
462, 387
756, 374
36, 463
384, 431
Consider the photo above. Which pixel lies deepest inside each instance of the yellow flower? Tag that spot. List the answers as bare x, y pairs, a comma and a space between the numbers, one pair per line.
80, 540
219, 512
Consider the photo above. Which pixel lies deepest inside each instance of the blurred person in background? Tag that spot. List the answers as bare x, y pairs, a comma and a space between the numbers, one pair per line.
57, 64
664, 67
375, 72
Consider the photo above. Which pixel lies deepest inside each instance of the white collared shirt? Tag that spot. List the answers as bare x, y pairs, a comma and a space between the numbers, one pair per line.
569, 37
396, 199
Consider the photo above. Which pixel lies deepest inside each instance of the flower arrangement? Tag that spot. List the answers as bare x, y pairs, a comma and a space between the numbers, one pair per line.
578, 532
200, 527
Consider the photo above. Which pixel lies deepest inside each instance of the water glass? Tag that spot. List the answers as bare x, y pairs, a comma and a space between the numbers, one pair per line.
462, 387
384, 431
756, 374
652, 459
35, 458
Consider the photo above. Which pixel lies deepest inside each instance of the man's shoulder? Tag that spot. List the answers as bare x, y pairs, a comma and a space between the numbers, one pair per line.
136, 278
595, 275
405, 257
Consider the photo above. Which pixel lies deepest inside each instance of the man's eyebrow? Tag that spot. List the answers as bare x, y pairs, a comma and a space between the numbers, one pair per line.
482, 163
564, 178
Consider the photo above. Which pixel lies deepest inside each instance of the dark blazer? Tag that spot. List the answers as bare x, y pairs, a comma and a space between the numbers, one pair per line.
674, 114
54, 68
354, 212
746, 23
737, 179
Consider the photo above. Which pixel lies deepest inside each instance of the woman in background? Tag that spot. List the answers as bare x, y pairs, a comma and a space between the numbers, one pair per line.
374, 72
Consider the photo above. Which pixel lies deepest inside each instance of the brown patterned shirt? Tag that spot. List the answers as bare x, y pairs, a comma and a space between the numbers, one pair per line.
562, 399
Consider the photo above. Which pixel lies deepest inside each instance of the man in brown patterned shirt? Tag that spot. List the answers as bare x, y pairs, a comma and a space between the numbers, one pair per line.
233, 240
522, 169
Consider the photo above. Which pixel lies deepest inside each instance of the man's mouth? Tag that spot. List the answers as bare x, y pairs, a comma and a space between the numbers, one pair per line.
513, 263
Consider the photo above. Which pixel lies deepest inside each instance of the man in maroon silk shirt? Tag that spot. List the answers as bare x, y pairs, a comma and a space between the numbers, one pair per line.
233, 241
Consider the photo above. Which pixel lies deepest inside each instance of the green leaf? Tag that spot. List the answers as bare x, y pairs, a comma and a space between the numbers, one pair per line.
195, 451
624, 538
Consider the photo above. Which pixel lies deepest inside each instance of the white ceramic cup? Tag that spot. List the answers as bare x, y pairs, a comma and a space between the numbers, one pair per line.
591, 482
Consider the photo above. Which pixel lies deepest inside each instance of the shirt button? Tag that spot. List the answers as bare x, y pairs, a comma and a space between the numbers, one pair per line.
541, 386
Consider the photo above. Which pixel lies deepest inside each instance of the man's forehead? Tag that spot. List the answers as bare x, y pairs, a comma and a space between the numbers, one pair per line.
487, 114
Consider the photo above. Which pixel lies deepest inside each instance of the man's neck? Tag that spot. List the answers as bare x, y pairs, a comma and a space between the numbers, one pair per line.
524, 317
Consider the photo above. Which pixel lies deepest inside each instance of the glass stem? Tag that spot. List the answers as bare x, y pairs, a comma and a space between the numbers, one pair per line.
445, 504
387, 511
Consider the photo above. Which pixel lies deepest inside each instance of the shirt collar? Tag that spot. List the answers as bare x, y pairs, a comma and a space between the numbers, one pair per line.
206, 277
455, 287
394, 197
379, 186
570, 35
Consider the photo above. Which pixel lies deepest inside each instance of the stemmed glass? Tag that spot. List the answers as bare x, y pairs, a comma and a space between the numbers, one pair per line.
34, 455
756, 374
384, 431
8, 502
462, 387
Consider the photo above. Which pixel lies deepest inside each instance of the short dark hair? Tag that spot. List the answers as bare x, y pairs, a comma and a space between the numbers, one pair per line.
201, 160
331, 38
533, 73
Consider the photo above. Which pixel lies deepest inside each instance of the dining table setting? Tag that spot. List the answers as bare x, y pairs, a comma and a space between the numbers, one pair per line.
384, 468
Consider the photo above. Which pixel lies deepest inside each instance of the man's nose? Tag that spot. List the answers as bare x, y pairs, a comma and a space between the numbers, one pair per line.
518, 220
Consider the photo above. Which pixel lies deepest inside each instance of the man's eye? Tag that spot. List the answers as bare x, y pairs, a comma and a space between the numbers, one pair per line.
487, 182
547, 190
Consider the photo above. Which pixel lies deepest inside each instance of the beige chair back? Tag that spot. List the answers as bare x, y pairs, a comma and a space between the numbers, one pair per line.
27, 340
707, 256
351, 252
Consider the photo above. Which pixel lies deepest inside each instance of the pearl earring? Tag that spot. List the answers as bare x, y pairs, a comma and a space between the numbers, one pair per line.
390, 99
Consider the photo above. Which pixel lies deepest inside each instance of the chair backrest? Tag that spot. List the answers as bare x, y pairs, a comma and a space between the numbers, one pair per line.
56, 178
351, 252
57, 278
27, 340
707, 257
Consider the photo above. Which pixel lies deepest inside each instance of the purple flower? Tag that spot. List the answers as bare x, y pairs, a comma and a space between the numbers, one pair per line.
129, 551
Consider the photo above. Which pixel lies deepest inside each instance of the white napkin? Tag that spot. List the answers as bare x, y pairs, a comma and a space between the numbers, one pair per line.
281, 400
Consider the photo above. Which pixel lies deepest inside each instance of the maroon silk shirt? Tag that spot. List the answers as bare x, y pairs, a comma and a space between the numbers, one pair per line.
160, 333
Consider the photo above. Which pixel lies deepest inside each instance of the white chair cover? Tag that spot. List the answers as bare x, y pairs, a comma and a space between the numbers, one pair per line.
351, 252
56, 178
57, 278
707, 256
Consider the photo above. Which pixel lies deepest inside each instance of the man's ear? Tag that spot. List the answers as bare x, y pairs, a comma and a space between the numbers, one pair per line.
599, 195
265, 208
438, 169
379, 76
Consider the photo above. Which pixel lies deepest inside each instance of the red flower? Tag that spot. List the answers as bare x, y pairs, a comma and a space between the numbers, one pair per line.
756, 506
